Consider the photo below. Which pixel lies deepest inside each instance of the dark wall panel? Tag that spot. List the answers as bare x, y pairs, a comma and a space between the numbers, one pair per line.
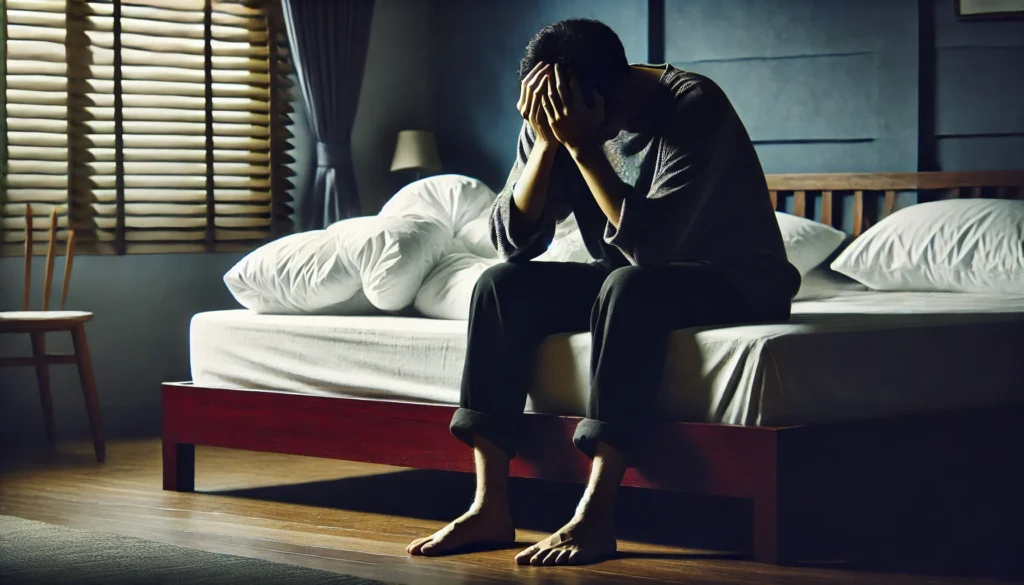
733, 29
981, 153
822, 85
979, 92
479, 47
801, 98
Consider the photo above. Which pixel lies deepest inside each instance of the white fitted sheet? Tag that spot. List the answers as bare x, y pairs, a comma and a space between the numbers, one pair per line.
852, 356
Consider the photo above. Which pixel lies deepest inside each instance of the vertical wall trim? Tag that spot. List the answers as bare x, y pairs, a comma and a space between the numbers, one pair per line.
927, 141
655, 31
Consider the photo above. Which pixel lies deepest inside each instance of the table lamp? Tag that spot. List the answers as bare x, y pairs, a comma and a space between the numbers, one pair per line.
416, 150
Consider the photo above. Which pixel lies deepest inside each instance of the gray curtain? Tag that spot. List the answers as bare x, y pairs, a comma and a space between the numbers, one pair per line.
329, 40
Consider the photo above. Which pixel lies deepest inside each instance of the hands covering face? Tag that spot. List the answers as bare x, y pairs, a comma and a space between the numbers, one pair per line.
551, 101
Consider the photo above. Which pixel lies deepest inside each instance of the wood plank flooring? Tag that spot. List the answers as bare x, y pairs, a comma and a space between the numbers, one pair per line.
356, 518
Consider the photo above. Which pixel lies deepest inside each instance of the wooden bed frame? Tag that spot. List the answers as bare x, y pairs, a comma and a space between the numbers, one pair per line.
793, 477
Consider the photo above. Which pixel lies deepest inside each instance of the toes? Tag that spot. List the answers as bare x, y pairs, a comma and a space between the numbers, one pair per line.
573, 558
549, 559
430, 548
416, 545
562, 558
538, 559
524, 557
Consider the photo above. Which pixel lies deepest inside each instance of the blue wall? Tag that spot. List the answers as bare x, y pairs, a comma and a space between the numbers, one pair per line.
979, 98
822, 85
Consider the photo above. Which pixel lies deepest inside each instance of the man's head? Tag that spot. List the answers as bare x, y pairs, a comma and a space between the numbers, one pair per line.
587, 48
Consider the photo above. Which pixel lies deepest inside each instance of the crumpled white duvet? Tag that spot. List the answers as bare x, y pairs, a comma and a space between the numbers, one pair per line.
434, 231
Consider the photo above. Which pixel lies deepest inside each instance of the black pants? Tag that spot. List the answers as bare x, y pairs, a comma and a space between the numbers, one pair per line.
630, 312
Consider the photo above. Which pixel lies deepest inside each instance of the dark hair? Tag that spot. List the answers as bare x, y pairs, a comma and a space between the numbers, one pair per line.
588, 49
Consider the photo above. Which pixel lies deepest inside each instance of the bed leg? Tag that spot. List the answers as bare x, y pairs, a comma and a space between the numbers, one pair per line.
179, 466
771, 544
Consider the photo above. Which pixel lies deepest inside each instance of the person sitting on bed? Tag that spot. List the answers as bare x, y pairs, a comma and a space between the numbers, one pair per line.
672, 204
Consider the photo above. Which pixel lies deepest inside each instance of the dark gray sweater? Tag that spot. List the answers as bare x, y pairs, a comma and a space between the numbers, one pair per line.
699, 195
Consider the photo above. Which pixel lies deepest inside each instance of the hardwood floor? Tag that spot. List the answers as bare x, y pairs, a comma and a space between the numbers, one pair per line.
357, 518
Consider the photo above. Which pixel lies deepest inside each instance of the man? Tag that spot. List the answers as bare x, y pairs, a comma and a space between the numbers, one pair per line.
671, 202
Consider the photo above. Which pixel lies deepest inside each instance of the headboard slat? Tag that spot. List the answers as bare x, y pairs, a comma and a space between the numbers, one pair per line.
893, 181
800, 203
859, 218
869, 206
826, 207
890, 203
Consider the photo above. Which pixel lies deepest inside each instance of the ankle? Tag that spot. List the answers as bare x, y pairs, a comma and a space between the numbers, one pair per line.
490, 506
600, 511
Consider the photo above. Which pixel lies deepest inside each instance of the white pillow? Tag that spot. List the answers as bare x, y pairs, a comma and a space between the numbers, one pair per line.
324, 271
567, 244
299, 273
823, 282
391, 255
448, 200
956, 245
475, 238
448, 290
808, 243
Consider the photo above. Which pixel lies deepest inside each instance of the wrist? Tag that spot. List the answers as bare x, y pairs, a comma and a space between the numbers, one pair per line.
546, 148
584, 152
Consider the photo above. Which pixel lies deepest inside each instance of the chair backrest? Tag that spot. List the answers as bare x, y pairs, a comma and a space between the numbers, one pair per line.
51, 257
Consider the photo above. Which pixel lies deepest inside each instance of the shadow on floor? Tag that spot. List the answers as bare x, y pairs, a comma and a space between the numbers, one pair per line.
653, 517
696, 522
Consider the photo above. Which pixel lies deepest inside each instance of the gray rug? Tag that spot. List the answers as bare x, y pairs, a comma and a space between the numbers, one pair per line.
34, 552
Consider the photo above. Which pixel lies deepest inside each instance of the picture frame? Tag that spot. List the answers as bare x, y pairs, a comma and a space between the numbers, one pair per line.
989, 9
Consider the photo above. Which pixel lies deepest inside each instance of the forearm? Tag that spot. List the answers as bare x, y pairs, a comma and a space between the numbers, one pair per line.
531, 190
604, 184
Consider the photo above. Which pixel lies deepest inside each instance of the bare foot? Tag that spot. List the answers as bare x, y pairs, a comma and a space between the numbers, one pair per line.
577, 543
474, 528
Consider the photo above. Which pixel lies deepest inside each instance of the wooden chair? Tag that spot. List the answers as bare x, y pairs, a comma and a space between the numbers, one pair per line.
38, 323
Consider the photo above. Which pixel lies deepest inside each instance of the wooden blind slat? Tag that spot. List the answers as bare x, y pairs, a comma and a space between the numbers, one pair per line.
129, 116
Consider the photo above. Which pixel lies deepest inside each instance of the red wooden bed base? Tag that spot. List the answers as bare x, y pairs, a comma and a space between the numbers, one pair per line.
782, 470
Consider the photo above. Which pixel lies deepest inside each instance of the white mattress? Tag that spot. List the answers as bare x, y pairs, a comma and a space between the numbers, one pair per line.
853, 356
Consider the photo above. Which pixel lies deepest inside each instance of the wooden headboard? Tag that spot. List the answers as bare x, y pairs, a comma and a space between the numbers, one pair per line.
827, 192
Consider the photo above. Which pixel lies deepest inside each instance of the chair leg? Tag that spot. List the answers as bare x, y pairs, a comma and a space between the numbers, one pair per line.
43, 380
92, 403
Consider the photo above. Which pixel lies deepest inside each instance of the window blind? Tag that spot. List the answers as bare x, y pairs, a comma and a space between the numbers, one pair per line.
153, 125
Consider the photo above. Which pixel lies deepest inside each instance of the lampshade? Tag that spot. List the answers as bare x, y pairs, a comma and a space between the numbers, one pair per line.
416, 149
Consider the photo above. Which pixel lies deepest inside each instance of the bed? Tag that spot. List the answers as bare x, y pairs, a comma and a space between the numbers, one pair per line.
857, 384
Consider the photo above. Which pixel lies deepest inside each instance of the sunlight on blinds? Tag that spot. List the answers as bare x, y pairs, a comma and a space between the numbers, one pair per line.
158, 125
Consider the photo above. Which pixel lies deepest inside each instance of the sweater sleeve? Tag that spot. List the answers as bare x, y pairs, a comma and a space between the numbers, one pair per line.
515, 241
659, 226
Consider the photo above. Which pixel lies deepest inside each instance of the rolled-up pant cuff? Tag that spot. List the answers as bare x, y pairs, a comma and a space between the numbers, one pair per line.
590, 432
466, 423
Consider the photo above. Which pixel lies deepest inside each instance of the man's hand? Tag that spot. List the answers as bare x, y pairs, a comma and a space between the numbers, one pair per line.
531, 92
572, 122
